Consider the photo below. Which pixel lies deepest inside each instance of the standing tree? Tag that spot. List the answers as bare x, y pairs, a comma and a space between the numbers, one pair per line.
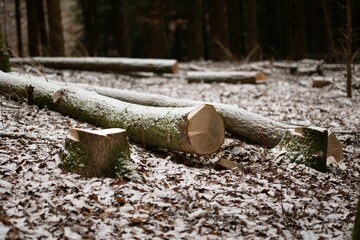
18, 27
235, 33
348, 48
42, 27
33, 27
4, 56
251, 29
299, 40
56, 37
195, 24
219, 43
158, 44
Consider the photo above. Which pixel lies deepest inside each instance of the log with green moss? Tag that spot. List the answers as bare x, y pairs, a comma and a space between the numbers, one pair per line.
239, 122
103, 64
198, 130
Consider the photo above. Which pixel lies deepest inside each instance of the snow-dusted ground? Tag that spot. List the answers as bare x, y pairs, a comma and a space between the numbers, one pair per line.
181, 196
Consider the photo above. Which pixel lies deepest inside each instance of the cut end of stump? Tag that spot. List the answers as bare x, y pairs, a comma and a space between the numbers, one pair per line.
206, 130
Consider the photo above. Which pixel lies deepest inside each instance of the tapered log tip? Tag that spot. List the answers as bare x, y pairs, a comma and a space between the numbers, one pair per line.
206, 130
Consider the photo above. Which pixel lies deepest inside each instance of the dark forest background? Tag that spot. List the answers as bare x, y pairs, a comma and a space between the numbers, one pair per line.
181, 29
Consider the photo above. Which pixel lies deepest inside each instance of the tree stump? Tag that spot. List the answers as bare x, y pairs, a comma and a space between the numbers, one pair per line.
97, 153
307, 145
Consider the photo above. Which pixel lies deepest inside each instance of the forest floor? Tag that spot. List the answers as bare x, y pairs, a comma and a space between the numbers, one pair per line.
182, 196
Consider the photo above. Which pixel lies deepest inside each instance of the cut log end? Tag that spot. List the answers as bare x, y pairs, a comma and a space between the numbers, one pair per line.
205, 130
175, 68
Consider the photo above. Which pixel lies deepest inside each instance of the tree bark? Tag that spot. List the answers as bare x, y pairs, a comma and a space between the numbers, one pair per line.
105, 64
18, 27
196, 39
4, 55
33, 28
235, 28
219, 42
198, 130
227, 77
348, 49
97, 153
239, 122
42, 27
251, 29
57, 46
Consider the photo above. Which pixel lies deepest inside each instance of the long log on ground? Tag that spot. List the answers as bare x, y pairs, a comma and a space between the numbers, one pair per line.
227, 77
103, 64
240, 123
198, 130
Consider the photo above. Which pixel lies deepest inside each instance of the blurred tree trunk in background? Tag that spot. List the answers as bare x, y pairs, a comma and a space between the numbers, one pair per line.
57, 46
42, 27
251, 28
195, 25
123, 26
219, 42
235, 27
18, 27
298, 36
4, 56
91, 33
33, 27
158, 45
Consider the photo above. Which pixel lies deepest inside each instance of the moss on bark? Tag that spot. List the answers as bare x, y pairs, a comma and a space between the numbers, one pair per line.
307, 146
356, 229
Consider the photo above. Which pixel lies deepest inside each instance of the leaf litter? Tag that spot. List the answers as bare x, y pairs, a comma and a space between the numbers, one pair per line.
182, 196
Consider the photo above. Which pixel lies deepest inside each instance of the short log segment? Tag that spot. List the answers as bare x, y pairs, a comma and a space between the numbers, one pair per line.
97, 153
198, 130
226, 77
318, 82
307, 145
104, 64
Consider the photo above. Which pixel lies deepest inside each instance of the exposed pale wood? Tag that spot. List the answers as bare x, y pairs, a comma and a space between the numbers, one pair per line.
227, 77
161, 127
97, 153
104, 64
334, 148
319, 82
226, 164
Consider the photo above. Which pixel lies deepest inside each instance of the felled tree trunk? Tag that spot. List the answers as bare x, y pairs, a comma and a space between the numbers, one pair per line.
318, 82
97, 153
239, 122
198, 130
104, 64
227, 77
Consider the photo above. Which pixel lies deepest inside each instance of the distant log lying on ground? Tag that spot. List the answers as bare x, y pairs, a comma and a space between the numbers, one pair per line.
226, 77
104, 64
198, 129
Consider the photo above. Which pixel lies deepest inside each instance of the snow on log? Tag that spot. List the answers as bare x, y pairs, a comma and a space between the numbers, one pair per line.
227, 77
197, 129
307, 145
318, 82
239, 122
97, 153
104, 64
